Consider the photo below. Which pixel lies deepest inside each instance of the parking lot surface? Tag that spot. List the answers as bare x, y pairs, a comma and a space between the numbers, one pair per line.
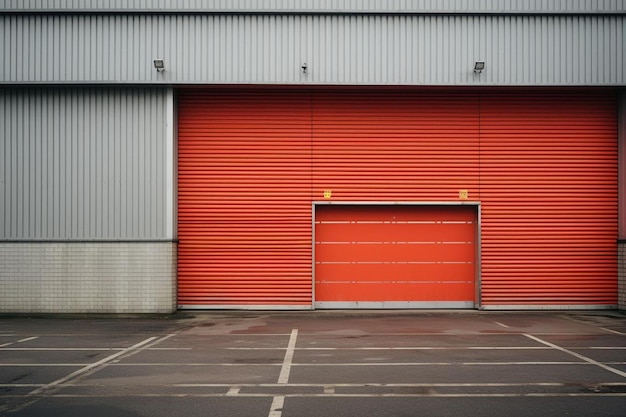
320, 363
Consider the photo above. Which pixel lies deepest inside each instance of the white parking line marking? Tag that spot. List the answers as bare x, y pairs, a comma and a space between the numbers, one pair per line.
19, 341
28, 339
43, 364
90, 366
234, 390
283, 378
613, 331
194, 364
62, 349
405, 348
398, 385
277, 403
439, 364
197, 364
502, 324
48, 389
276, 409
576, 355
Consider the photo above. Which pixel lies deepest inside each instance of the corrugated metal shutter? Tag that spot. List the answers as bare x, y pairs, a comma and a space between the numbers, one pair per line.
395, 146
395, 256
543, 166
549, 199
244, 199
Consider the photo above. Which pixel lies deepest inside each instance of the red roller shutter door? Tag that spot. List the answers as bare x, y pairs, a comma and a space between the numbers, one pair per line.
542, 165
549, 199
389, 256
244, 200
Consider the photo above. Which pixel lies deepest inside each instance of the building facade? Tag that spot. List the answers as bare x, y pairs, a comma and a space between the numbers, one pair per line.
298, 154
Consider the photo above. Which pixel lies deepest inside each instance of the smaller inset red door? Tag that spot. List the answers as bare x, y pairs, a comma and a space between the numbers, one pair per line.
395, 256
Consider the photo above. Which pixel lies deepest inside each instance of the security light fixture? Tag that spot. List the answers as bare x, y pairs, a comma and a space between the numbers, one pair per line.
159, 65
479, 66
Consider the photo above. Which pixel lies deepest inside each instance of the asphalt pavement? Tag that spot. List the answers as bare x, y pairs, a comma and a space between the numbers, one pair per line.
315, 363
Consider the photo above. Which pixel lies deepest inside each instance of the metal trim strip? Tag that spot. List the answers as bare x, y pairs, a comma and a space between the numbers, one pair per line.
550, 307
394, 305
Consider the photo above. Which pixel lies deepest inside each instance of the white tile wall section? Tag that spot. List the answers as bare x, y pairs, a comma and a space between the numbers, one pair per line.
83, 277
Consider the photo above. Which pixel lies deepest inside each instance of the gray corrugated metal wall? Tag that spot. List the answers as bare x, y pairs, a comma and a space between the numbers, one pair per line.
339, 49
83, 163
322, 5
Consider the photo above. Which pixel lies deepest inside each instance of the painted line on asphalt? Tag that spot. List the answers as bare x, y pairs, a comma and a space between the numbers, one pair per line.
70, 349
48, 389
602, 347
198, 364
278, 401
193, 364
439, 364
402, 348
501, 324
613, 331
396, 385
283, 378
577, 355
19, 341
285, 373
276, 409
90, 367
19, 365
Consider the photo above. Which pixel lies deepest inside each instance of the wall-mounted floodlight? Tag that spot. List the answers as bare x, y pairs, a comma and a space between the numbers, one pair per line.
479, 66
159, 64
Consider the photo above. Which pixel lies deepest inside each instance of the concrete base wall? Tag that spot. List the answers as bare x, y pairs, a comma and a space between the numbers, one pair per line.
99, 277
621, 275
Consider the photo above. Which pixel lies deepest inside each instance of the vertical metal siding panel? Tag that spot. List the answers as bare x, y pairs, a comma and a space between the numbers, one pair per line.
341, 49
68, 164
244, 198
549, 194
4, 105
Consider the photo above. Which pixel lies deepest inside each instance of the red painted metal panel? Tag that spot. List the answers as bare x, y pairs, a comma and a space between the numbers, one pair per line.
395, 253
244, 199
395, 146
549, 193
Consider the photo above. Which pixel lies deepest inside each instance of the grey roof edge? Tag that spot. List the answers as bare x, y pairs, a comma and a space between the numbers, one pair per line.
174, 11
348, 7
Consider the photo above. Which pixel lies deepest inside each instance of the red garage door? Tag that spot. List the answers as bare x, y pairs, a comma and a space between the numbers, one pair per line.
395, 256
257, 165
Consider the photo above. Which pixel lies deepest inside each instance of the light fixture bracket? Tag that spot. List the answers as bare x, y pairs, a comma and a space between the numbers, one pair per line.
159, 64
479, 66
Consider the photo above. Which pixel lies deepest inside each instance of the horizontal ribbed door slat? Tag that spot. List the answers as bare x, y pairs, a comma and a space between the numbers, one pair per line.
244, 199
549, 199
395, 146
